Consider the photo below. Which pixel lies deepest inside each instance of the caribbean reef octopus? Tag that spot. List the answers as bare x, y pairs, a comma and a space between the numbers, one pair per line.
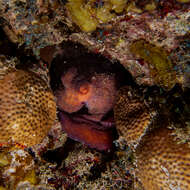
85, 86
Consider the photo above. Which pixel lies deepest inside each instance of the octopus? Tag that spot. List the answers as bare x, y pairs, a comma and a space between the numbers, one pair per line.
98, 96
85, 86
27, 108
161, 162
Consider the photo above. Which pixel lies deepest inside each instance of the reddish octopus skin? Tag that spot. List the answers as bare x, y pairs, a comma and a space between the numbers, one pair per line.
98, 96
87, 133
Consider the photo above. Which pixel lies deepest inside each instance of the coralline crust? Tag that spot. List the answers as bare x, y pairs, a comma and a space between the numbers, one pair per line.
162, 163
132, 116
27, 108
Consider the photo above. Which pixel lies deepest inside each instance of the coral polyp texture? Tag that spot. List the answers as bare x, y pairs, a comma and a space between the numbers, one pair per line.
27, 108
162, 163
132, 116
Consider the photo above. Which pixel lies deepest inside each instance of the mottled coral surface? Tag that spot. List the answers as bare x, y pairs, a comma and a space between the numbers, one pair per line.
27, 108
162, 163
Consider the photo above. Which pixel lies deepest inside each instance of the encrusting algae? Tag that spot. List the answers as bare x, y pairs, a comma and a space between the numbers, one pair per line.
161, 68
89, 15
17, 167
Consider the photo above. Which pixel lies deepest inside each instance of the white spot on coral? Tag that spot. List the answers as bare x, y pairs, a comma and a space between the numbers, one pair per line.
15, 126
165, 170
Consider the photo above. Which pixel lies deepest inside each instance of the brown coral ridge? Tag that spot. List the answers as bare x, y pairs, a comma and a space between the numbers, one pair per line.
162, 163
132, 116
27, 108
85, 85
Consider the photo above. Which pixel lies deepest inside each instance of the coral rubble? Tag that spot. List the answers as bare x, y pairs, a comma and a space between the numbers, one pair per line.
18, 167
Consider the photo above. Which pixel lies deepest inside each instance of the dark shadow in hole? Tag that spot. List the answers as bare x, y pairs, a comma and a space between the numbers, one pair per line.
59, 154
87, 64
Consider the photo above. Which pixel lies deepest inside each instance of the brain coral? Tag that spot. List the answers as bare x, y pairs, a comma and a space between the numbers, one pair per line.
132, 116
162, 163
27, 108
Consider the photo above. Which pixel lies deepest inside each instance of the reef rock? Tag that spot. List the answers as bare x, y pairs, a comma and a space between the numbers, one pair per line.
108, 27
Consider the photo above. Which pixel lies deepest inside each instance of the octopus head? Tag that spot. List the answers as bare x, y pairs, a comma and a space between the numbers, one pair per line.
85, 85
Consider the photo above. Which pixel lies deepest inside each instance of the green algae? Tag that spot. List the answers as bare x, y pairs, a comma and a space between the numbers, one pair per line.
161, 68
3, 160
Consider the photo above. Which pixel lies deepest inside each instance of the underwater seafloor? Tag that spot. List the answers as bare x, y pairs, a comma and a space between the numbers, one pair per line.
151, 40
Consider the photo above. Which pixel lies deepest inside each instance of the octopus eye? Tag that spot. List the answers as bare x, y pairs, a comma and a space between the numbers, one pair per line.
84, 88
81, 85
